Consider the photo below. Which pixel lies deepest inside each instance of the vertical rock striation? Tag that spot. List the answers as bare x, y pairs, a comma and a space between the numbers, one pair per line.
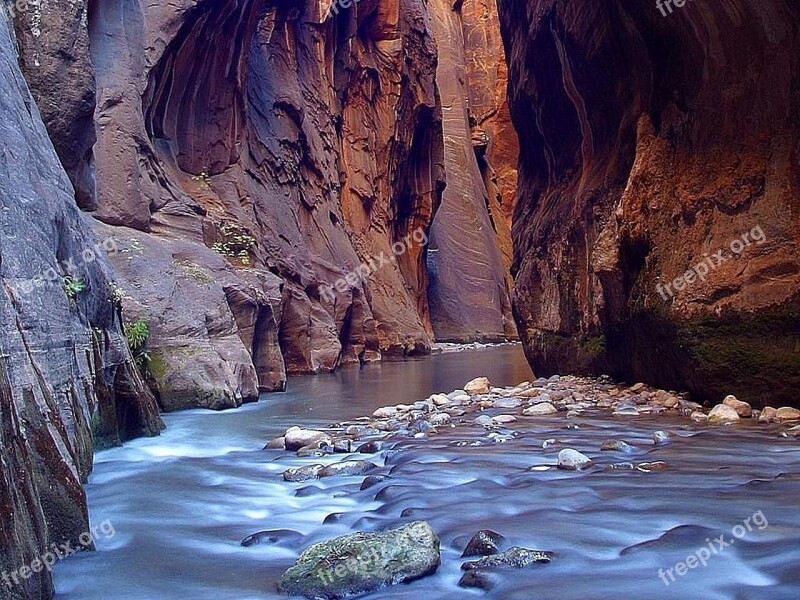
65, 370
647, 144
271, 172
469, 288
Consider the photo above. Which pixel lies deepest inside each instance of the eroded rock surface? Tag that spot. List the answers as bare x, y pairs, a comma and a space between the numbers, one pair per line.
647, 145
65, 370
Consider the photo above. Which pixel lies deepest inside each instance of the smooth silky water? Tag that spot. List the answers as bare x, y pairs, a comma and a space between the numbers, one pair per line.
181, 503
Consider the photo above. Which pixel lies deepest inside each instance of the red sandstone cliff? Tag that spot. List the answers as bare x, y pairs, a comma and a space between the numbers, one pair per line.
648, 142
250, 155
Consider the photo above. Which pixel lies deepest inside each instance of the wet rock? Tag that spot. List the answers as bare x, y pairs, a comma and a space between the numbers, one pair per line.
768, 415
647, 467
317, 449
622, 466
303, 473
787, 413
743, 409
513, 557
626, 410
371, 447
296, 438
503, 419
544, 408
484, 543
372, 480
385, 412
661, 437
507, 403
273, 536
363, 562
484, 421
440, 400
572, 460
343, 446
479, 385
276, 444
476, 579
618, 446
698, 416
439, 419
722, 414
347, 467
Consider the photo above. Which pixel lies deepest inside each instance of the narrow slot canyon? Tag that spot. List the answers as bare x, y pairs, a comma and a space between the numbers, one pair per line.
299, 295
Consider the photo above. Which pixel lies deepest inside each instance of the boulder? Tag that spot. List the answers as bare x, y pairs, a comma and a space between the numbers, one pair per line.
572, 460
768, 415
484, 543
363, 562
722, 414
296, 438
743, 409
479, 385
787, 413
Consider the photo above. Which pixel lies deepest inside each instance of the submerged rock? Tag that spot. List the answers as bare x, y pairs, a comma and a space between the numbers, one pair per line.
476, 579
618, 446
484, 543
272, 536
363, 562
513, 557
661, 437
572, 460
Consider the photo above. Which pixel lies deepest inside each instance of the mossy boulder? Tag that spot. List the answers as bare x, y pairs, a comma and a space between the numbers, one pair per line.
363, 562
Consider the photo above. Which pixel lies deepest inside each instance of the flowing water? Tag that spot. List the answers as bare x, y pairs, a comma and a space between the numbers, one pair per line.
180, 504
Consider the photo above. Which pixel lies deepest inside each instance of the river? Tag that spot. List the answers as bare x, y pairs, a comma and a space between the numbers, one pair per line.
180, 504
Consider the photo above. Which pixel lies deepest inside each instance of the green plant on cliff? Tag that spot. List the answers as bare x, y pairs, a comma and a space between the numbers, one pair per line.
236, 242
136, 334
594, 344
73, 286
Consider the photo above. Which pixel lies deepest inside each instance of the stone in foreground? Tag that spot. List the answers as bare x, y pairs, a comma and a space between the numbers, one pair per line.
572, 460
363, 562
479, 385
723, 414
743, 409
484, 543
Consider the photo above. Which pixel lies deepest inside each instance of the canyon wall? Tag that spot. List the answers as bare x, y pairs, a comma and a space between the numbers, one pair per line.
272, 173
649, 143
66, 374
470, 250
